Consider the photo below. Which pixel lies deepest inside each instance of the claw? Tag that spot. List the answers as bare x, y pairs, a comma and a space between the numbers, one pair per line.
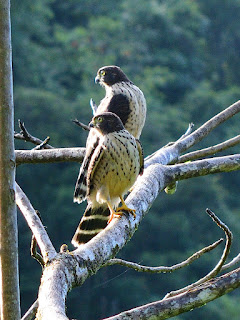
125, 208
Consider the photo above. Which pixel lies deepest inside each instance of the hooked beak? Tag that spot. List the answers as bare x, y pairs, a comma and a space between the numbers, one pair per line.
91, 124
97, 79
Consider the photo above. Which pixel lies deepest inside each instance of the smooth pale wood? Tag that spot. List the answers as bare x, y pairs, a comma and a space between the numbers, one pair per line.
9, 278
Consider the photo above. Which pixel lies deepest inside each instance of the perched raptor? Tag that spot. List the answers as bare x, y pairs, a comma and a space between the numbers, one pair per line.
122, 98
111, 165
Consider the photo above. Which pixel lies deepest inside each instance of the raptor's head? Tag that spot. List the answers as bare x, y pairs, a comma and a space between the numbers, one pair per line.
109, 75
106, 122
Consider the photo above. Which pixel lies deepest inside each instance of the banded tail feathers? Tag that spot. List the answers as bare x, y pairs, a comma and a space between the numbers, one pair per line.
93, 221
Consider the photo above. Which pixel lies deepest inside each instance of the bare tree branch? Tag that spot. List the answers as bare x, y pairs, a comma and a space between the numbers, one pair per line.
42, 145
81, 125
9, 273
31, 312
34, 252
93, 106
71, 269
87, 259
219, 265
231, 263
202, 167
33, 248
49, 156
210, 151
171, 154
188, 132
162, 269
171, 307
35, 225
26, 136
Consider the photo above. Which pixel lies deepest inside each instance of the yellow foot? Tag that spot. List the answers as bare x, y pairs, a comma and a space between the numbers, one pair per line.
125, 208
118, 213
113, 215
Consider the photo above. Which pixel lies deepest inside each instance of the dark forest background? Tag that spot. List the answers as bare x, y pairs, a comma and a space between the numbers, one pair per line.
185, 56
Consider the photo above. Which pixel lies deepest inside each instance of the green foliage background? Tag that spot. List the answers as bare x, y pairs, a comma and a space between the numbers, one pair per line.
184, 55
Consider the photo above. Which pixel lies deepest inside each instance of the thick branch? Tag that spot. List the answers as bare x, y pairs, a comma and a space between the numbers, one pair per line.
68, 270
184, 302
203, 167
169, 154
35, 224
72, 269
48, 156
9, 278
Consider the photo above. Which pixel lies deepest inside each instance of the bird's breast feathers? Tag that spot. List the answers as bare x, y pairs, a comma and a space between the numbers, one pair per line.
119, 166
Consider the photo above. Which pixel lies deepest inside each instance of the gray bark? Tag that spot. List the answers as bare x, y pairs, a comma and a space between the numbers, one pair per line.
171, 307
9, 286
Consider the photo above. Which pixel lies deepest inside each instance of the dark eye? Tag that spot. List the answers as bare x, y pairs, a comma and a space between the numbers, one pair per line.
102, 73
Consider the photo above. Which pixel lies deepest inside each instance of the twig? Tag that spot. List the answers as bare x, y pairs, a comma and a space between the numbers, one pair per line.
26, 136
210, 151
171, 153
35, 255
163, 269
219, 265
188, 132
31, 312
93, 106
42, 145
231, 263
80, 124
33, 249
35, 224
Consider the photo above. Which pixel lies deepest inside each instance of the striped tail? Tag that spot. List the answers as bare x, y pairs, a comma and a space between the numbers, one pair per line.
93, 221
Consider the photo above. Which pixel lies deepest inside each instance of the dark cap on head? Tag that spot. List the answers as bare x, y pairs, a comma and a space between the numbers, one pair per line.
107, 122
109, 75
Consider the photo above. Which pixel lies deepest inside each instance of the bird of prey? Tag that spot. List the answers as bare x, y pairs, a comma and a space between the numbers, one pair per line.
112, 162
122, 98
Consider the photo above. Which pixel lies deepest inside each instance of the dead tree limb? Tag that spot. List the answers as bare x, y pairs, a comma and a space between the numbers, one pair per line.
166, 155
220, 263
171, 307
35, 224
26, 136
67, 270
163, 269
50, 156
203, 153
9, 278
232, 263
81, 125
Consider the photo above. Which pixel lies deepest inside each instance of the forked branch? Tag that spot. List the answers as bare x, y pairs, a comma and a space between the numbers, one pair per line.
26, 136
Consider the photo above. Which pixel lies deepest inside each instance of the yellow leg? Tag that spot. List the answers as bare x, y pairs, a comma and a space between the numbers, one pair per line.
113, 213
124, 207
